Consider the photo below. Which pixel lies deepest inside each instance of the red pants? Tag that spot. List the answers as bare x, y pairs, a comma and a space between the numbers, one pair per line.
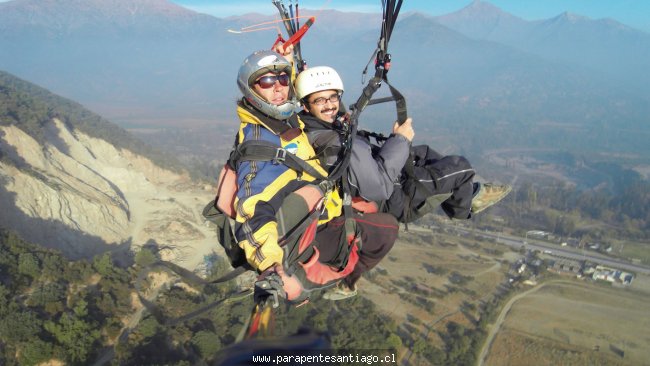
378, 233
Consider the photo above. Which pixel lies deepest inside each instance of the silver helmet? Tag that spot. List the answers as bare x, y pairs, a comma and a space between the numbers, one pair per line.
256, 65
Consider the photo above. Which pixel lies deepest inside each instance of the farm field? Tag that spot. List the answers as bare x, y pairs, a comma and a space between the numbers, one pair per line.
431, 278
421, 264
575, 324
561, 320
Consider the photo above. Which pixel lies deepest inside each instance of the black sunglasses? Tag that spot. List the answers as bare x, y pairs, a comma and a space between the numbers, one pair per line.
268, 81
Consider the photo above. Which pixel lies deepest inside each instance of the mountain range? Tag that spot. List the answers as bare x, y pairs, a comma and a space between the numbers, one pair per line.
570, 81
602, 45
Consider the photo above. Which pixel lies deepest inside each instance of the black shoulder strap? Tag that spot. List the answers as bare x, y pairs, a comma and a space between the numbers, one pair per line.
391, 10
259, 150
379, 137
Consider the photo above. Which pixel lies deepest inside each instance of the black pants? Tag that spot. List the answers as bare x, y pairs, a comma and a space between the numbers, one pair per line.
378, 233
433, 174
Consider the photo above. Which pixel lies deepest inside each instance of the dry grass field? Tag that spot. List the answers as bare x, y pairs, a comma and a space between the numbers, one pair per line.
513, 348
575, 324
629, 249
419, 267
570, 322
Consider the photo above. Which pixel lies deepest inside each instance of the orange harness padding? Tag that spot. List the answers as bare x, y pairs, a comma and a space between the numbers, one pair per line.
323, 274
227, 191
364, 206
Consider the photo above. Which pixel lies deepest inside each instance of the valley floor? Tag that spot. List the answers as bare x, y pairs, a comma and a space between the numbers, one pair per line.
560, 320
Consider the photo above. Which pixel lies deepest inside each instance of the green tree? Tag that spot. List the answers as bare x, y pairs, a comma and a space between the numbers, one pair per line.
419, 346
75, 335
81, 308
50, 297
113, 327
36, 351
19, 326
105, 302
394, 341
103, 264
4, 301
28, 265
458, 343
434, 355
207, 343
78, 272
53, 267
148, 327
145, 257
565, 225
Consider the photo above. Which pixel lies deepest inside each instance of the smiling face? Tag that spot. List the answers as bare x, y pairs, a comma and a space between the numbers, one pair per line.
273, 88
324, 104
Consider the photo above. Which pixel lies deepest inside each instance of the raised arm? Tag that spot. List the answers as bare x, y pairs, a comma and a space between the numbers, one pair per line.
374, 174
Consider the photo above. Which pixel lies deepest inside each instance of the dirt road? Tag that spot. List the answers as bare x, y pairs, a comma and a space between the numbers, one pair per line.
504, 312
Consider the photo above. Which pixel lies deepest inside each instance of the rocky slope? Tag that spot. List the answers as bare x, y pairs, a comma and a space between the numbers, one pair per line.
83, 196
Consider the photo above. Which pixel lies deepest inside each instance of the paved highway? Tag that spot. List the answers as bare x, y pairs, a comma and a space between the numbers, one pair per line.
559, 251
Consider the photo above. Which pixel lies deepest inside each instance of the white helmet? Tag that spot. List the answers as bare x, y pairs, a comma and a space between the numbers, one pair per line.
256, 65
316, 79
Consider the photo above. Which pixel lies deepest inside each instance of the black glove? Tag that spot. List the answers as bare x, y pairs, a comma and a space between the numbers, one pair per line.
275, 283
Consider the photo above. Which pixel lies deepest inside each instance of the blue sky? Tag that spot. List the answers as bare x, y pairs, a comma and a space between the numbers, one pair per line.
635, 13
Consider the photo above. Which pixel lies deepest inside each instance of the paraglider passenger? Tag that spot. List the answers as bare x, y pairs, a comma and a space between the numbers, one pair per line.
376, 170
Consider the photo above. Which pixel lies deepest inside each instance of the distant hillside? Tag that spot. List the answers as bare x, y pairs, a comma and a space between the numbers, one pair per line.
604, 45
129, 55
480, 95
476, 80
30, 107
61, 19
71, 180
